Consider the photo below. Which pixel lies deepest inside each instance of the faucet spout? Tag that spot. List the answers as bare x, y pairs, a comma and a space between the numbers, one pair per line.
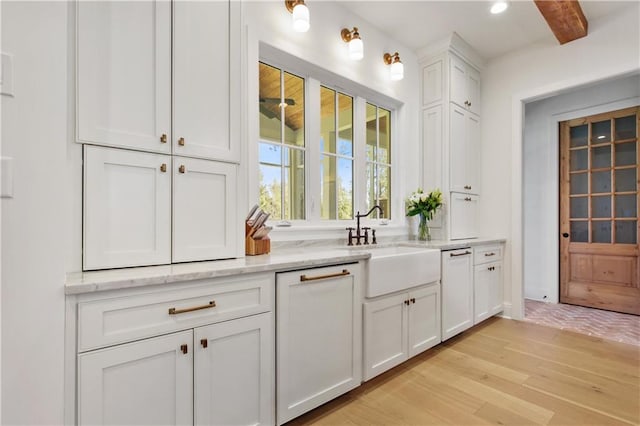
371, 211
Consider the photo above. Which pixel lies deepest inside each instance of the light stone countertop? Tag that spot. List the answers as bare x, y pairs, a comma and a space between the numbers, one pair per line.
287, 257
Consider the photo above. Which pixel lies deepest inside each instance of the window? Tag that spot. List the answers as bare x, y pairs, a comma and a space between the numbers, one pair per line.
338, 156
282, 144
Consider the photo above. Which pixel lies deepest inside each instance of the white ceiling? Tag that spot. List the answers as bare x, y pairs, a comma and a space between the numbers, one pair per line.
419, 23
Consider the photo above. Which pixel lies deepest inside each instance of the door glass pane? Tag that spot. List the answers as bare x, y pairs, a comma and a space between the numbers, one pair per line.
578, 183
626, 232
345, 188
601, 231
328, 208
625, 180
294, 207
269, 106
579, 207
372, 134
601, 132
626, 154
384, 125
293, 105
345, 125
579, 160
601, 157
601, 206
578, 135
384, 180
601, 181
626, 127
626, 205
327, 120
579, 232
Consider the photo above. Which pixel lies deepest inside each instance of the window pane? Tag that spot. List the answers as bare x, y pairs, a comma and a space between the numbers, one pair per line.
601, 181
345, 125
579, 160
626, 232
578, 135
384, 127
625, 180
579, 207
601, 206
328, 208
327, 120
626, 154
580, 232
270, 179
601, 132
371, 185
270, 98
626, 127
601, 231
601, 157
579, 183
345, 188
293, 191
626, 205
372, 134
384, 191
293, 109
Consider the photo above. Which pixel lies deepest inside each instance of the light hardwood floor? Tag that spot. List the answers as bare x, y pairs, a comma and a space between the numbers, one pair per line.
501, 372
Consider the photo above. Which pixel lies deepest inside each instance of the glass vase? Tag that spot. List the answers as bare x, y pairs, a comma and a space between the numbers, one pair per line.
423, 229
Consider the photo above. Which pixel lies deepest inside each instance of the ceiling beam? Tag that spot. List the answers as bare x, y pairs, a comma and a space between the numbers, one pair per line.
565, 18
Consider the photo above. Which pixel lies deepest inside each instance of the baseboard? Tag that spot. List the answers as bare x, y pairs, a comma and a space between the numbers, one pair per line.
507, 311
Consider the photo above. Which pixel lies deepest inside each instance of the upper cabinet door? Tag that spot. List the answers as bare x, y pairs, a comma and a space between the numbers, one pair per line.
458, 81
124, 74
206, 79
204, 210
473, 90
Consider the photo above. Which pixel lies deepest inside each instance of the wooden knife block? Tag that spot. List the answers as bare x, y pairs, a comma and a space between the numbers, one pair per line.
255, 247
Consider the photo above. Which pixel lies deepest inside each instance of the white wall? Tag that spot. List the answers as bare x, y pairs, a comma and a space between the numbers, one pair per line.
269, 23
611, 48
541, 174
34, 133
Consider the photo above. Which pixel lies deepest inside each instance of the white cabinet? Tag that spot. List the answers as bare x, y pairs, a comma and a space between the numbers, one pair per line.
464, 84
234, 372
319, 337
457, 292
124, 74
204, 210
145, 382
400, 326
464, 138
129, 86
463, 215
127, 208
488, 282
206, 76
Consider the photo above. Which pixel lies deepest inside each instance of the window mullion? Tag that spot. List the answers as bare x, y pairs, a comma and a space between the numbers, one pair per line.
359, 153
313, 154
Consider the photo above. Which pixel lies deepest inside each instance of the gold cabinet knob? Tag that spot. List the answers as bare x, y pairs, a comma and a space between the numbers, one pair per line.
163, 138
181, 169
181, 141
163, 168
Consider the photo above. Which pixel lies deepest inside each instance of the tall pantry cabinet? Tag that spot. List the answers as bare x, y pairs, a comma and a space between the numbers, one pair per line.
158, 88
451, 135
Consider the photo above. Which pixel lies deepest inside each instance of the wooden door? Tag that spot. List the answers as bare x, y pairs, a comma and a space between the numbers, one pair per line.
599, 263
147, 382
233, 380
424, 319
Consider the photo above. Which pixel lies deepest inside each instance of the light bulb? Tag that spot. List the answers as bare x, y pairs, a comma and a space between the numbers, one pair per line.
356, 49
397, 71
499, 7
300, 16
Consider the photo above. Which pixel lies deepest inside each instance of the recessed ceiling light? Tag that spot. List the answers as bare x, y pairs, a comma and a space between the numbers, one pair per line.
499, 7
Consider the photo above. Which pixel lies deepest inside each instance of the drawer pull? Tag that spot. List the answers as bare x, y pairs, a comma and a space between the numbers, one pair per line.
489, 254
163, 138
174, 311
304, 278
181, 141
460, 254
184, 348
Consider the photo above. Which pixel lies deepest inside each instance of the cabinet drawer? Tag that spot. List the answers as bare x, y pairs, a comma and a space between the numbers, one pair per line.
486, 254
125, 318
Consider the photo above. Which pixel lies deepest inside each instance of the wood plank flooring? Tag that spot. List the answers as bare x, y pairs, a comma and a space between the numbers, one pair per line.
501, 372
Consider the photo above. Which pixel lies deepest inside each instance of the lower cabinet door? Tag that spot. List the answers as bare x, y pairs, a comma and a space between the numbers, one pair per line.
496, 294
385, 337
145, 382
488, 291
234, 365
424, 319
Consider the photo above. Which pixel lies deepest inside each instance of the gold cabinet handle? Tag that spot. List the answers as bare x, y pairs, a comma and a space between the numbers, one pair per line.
181, 169
304, 278
163, 168
460, 254
184, 348
163, 138
181, 141
174, 311
204, 343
